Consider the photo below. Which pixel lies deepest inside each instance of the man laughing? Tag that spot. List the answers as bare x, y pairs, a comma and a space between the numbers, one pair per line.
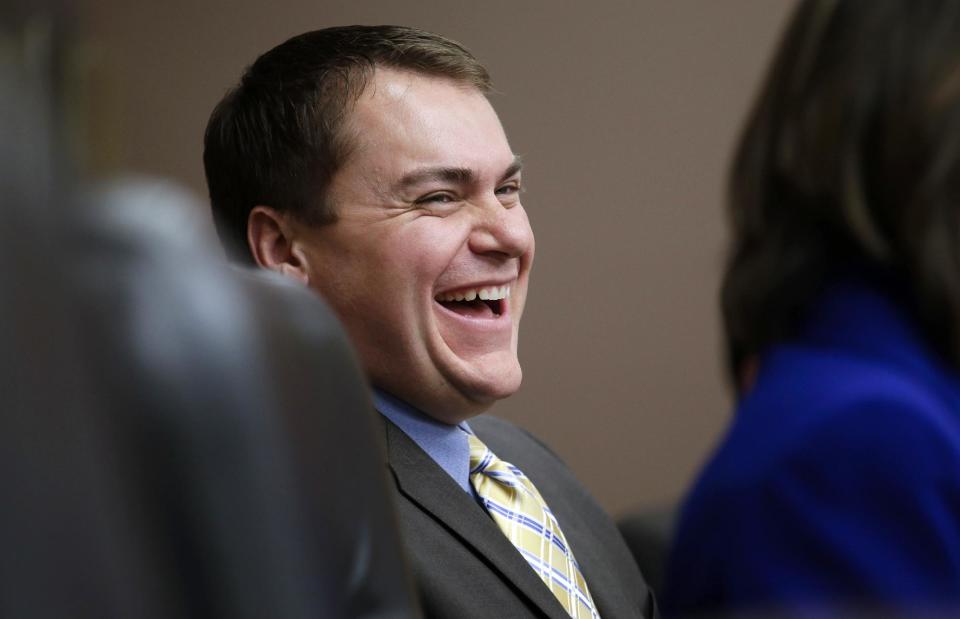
367, 163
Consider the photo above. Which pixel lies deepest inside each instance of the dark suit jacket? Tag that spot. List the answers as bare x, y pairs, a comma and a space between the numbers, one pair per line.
465, 567
838, 484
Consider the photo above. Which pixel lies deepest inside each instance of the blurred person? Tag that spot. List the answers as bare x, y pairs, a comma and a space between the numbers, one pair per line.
837, 487
163, 443
367, 163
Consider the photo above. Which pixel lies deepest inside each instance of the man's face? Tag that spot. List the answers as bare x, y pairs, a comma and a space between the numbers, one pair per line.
427, 265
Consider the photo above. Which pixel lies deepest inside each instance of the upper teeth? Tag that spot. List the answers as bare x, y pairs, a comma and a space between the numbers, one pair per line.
492, 293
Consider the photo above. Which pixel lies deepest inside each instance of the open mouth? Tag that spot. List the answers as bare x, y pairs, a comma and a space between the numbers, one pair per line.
488, 302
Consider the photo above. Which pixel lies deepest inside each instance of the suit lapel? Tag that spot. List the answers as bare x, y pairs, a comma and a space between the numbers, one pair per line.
607, 594
428, 486
583, 523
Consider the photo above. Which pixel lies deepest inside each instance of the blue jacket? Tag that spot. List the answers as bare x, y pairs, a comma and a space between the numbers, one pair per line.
838, 482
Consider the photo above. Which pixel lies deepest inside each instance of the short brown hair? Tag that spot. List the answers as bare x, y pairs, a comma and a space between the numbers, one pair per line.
851, 157
277, 140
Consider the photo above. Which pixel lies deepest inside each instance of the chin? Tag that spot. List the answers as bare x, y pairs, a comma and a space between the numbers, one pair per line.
484, 387
464, 396
461, 389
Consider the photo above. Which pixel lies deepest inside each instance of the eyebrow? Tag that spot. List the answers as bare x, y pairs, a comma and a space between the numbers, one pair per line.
512, 169
463, 176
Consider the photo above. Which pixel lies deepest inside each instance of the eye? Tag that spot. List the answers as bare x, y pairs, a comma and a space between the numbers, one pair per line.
508, 192
510, 187
437, 198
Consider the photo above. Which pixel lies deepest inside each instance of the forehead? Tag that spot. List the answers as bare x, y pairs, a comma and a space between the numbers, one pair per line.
412, 119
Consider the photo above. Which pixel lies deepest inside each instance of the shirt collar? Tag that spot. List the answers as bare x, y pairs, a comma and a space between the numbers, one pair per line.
446, 444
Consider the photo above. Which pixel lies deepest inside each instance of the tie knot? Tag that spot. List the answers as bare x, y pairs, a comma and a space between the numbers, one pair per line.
480, 455
484, 463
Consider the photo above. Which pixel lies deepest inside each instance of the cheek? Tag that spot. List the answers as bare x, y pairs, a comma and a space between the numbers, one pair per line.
425, 248
394, 270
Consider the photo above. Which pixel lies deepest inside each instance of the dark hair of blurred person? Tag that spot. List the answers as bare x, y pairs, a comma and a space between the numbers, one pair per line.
852, 154
836, 489
256, 156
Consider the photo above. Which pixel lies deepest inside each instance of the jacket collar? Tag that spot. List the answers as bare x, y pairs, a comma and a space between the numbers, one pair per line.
425, 484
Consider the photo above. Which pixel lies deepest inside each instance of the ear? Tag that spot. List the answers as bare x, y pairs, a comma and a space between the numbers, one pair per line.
270, 237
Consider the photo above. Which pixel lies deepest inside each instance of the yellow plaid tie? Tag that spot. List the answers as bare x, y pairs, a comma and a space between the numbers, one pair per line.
523, 516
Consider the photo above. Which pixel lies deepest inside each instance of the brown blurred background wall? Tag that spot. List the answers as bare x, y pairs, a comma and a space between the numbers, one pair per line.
625, 112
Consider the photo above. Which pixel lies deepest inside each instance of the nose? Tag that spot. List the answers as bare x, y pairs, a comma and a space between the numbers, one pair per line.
501, 231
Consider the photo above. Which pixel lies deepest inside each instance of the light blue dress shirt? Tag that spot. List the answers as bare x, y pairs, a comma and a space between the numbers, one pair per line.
446, 444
